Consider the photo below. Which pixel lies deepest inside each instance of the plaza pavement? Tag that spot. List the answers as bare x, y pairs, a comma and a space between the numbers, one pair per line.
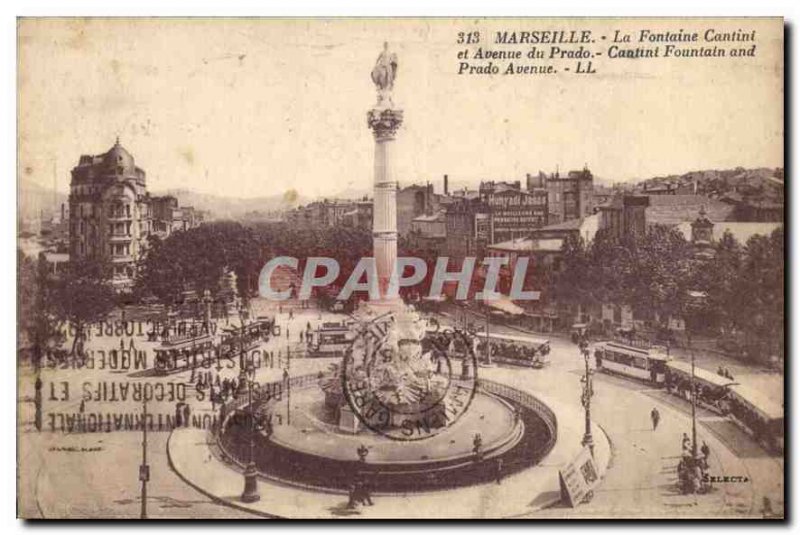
640, 481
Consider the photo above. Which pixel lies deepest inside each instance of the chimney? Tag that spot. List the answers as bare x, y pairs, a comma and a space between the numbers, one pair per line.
445, 185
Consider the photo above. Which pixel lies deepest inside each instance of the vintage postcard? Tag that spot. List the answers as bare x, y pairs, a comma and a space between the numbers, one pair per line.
359, 268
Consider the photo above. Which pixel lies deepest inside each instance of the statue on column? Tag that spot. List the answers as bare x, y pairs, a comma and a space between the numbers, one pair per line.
384, 72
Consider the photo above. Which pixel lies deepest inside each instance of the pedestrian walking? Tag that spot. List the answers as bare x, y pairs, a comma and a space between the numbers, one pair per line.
705, 450
498, 470
363, 493
686, 442
351, 495
655, 416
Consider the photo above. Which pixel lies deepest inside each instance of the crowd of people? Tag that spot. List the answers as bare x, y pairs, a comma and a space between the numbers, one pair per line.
692, 468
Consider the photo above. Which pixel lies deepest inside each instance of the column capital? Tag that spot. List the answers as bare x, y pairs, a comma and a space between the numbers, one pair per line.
384, 122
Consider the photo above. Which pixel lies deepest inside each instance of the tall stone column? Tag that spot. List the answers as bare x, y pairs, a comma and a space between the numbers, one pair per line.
384, 122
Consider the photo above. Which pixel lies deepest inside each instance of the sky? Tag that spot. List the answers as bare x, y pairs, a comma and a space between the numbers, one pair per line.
256, 107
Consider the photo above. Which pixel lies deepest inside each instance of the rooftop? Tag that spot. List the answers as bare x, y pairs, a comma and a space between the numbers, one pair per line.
675, 209
548, 245
427, 218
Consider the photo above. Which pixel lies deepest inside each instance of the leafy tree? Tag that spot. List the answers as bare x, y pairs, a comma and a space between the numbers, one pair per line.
760, 288
36, 309
717, 279
84, 294
573, 284
196, 259
651, 273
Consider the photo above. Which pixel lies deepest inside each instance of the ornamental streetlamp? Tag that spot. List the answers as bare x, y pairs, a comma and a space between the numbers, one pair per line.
242, 367
288, 384
250, 493
144, 468
586, 396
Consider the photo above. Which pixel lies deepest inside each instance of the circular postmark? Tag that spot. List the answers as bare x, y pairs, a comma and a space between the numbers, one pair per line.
408, 385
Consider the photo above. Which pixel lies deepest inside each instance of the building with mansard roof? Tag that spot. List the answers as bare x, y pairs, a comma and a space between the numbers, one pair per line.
111, 214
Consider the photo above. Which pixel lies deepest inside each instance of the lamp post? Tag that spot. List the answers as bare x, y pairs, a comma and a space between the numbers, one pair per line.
488, 346
144, 469
242, 370
586, 397
288, 396
694, 405
207, 309
250, 493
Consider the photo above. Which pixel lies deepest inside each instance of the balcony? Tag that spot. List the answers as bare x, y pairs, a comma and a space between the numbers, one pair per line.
117, 238
121, 258
120, 216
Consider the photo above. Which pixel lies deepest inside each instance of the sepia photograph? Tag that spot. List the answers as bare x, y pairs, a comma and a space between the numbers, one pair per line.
400, 268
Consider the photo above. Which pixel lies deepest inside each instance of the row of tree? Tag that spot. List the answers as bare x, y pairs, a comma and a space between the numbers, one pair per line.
198, 258
736, 290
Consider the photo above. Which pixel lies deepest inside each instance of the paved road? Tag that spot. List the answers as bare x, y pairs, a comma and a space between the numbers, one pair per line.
640, 481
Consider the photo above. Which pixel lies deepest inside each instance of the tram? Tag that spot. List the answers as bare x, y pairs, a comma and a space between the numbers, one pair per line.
758, 414
712, 389
521, 350
331, 339
183, 352
748, 408
639, 361
235, 341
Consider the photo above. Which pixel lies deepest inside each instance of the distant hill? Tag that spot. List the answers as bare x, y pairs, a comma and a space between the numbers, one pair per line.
234, 207
760, 183
34, 200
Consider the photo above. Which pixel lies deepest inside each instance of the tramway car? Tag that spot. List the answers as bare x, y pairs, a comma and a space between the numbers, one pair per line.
712, 389
759, 414
748, 408
521, 350
182, 353
235, 341
638, 361
331, 339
